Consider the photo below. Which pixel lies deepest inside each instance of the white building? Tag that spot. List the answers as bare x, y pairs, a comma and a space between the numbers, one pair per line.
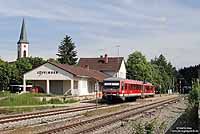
112, 66
64, 79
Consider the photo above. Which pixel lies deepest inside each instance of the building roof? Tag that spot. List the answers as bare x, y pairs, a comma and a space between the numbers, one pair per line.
114, 63
23, 35
80, 71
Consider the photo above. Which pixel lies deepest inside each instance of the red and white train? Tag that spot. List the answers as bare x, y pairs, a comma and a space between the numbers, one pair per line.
124, 88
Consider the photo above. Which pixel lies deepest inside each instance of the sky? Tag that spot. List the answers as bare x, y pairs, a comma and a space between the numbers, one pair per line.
170, 27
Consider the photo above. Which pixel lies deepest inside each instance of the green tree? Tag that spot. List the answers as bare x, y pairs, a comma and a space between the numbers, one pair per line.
23, 65
53, 60
137, 67
1, 61
36, 61
14, 75
4, 76
66, 51
194, 95
155, 75
167, 72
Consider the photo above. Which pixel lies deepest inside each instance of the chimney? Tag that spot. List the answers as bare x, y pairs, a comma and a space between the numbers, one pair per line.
106, 59
87, 67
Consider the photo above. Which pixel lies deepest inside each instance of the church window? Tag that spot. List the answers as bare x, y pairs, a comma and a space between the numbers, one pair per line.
24, 54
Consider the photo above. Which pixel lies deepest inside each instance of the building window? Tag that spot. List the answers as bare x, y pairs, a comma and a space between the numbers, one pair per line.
24, 54
75, 84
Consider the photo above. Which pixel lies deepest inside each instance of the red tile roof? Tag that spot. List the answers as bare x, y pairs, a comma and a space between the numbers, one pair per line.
80, 71
99, 64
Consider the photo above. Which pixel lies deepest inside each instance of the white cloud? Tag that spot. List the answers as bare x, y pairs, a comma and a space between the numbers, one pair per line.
153, 27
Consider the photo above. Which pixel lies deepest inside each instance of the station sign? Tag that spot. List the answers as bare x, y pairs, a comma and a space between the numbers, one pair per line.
47, 72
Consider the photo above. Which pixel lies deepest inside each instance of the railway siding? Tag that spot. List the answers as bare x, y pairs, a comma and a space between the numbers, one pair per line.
62, 119
101, 121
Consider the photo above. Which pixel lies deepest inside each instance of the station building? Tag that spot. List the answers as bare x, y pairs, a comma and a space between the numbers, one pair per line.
62, 79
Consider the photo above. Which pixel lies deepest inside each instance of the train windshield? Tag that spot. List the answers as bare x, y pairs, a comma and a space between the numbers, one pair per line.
111, 85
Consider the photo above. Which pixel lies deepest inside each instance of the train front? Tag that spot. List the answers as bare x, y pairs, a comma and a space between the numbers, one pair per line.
111, 89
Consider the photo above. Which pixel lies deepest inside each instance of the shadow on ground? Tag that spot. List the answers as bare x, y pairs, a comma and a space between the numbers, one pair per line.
186, 124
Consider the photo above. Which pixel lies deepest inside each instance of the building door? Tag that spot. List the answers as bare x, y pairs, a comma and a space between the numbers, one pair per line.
56, 86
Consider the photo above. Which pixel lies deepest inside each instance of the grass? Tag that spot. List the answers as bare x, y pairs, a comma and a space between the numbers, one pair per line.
12, 110
41, 95
4, 93
71, 101
29, 99
20, 100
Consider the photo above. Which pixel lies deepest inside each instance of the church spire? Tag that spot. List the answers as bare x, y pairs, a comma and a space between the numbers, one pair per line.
23, 44
23, 35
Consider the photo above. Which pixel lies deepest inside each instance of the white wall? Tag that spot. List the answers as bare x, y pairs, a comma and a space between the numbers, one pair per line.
91, 86
122, 71
83, 86
21, 48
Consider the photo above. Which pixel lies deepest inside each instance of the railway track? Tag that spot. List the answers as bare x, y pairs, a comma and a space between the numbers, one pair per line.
93, 124
21, 117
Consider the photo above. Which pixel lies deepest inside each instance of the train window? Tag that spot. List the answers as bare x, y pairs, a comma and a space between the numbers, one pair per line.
114, 85
139, 87
126, 86
132, 87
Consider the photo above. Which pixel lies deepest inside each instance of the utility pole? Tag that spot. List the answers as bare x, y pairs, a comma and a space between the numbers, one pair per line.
143, 85
118, 47
143, 89
96, 90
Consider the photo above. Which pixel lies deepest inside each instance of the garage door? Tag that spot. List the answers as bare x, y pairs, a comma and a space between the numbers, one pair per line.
56, 87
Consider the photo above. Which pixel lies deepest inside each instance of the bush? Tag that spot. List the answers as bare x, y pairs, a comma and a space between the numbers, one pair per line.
194, 95
21, 99
55, 101
4, 93
70, 101
40, 94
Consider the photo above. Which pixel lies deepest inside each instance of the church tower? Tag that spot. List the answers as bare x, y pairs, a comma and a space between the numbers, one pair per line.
23, 44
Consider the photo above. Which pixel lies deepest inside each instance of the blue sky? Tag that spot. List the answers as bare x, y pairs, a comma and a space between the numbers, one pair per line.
170, 27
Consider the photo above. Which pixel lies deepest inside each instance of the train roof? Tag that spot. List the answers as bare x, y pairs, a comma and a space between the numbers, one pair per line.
114, 79
127, 80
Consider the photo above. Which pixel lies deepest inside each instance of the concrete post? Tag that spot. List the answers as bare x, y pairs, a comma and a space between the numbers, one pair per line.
24, 85
48, 87
72, 87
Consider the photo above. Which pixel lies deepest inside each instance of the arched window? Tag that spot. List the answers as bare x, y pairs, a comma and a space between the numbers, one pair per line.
24, 54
